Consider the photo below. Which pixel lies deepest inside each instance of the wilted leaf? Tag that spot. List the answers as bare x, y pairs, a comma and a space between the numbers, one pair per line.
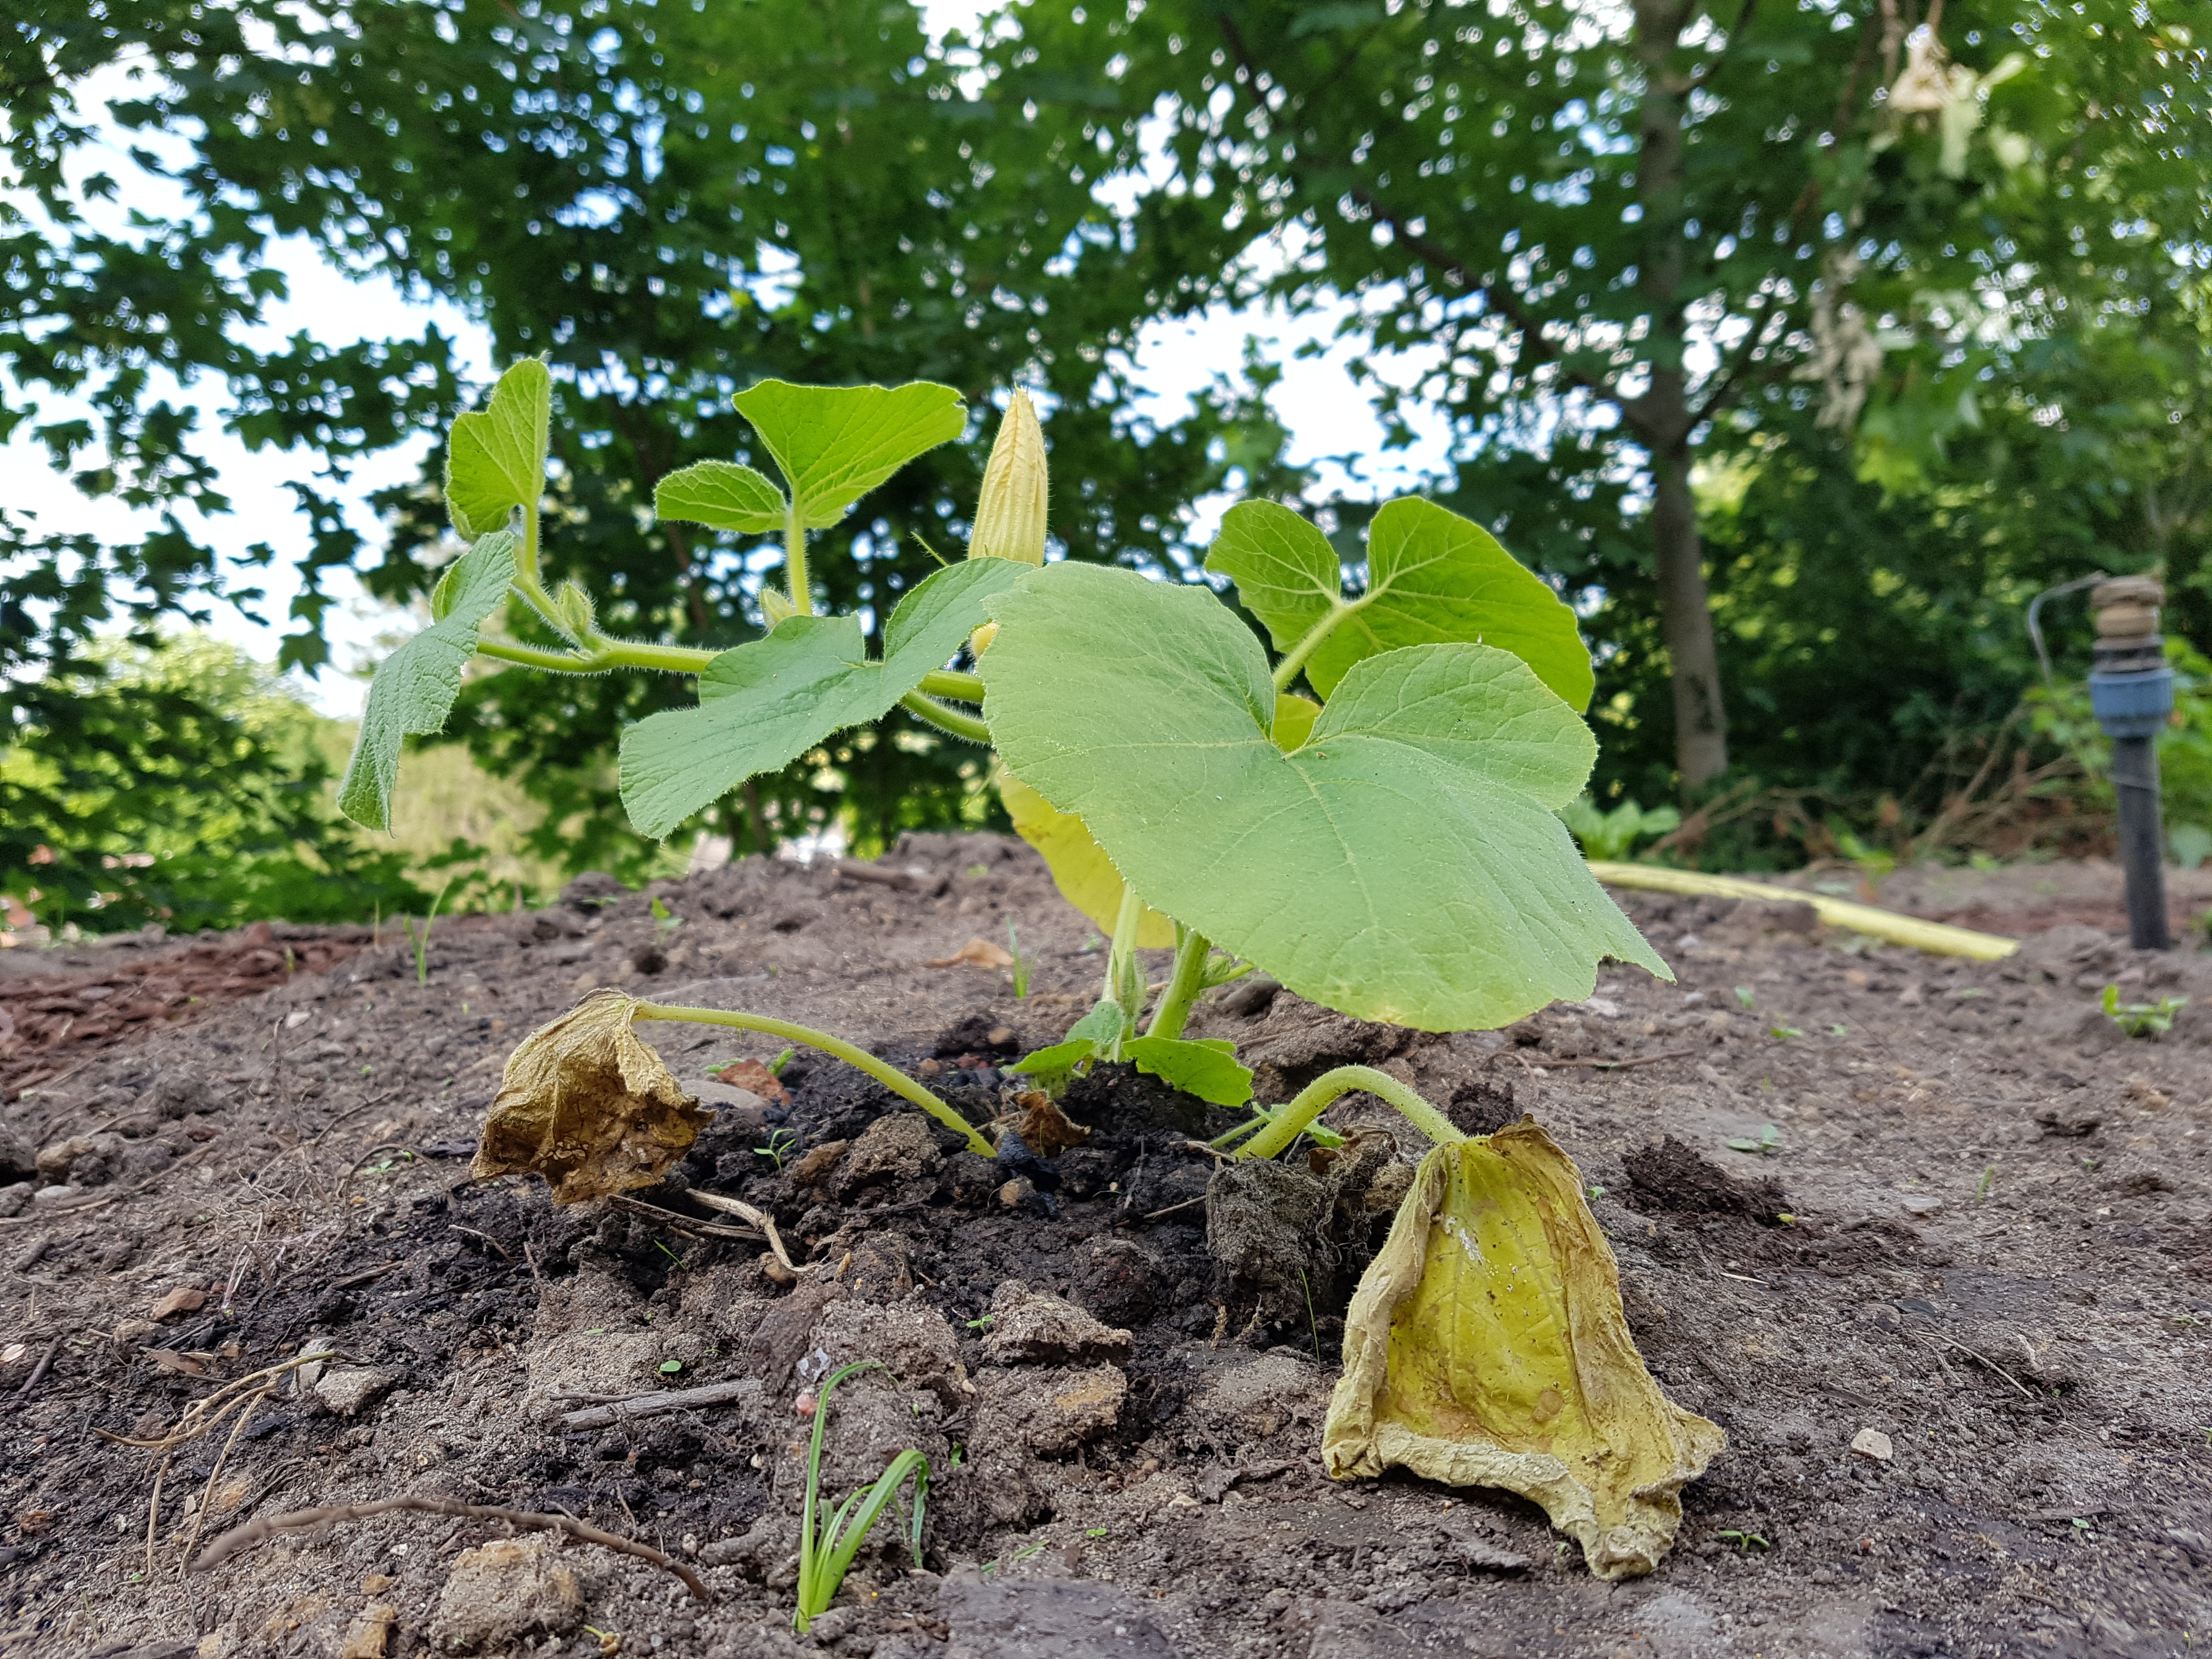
836, 443
1044, 1128
185, 1298
169, 1362
586, 1104
765, 703
495, 458
1486, 1346
1404, 864
1086, 877
1432, 576
976, 953
415, 686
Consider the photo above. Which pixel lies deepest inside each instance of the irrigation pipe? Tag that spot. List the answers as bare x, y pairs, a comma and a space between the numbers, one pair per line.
1937, 938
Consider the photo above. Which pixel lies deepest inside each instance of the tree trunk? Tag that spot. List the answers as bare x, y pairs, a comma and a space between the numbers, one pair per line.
1700, 720
1661, 416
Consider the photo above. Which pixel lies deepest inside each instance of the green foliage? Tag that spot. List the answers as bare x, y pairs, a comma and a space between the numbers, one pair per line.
1429, 576
763, 704
1404, 864
2138, 1019
175, 781
825, 1557
1206, 1066
495, 458
416, 686
1611, 836
835, 443
1768, 1140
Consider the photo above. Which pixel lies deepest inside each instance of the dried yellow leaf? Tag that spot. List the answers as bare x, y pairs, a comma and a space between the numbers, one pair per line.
585, 1103
1486, 1346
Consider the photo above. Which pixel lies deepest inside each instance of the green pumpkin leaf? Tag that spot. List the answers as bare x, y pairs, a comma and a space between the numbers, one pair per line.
415, 686
1403, 865
1432, 576
495, 458
769, 701
722, 495
836, 443
1205, 1066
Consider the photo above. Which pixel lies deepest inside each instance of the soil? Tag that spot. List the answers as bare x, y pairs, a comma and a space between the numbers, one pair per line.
1997, 1253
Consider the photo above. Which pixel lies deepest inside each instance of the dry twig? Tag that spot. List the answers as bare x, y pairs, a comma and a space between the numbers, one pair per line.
253, 1532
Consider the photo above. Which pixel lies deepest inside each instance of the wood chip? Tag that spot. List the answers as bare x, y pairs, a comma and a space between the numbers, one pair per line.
976, 953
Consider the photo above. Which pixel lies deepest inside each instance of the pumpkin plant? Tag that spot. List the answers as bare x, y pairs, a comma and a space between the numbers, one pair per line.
1372, 818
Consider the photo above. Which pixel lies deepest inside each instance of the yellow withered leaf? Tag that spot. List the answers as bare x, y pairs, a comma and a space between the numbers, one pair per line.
585, 1103
1086, 877
1486, 1346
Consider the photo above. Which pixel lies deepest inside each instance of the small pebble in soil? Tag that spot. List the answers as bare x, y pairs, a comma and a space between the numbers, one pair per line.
1872, 1443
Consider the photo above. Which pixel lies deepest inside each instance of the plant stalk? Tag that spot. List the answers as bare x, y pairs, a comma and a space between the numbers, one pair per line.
603, 655
794, 560
949, 682
1316, 1096
889, 1076
1120, 958
943, 719
1287, 670
1184, 983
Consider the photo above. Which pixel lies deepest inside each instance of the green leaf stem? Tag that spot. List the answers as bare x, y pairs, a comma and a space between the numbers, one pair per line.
1403, 865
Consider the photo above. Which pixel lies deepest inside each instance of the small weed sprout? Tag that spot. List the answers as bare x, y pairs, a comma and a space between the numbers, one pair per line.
1021, 963
775, 1066
1746, 1541
1784, 1033
421, 941
1983, 1190
824, 1559
2139, 1019
1745, 998
1770, 1141
664, 920
780, 1141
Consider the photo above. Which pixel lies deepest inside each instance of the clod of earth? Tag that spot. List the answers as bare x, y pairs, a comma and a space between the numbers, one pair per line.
1487, 1346
586, 1104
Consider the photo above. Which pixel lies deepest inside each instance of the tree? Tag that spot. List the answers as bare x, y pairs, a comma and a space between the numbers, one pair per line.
671, 202
1621, 235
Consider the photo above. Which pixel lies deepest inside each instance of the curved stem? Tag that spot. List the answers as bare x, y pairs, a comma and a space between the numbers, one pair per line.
794, 561
1287, 670
943, 719
1184, 984
1316, 1096
889, 1076
945, 682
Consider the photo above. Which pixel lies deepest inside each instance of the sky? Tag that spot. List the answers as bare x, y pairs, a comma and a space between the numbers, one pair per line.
1325, 412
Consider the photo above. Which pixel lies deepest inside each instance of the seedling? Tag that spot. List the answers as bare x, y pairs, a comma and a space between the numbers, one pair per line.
1021, 963
824, 1559
1745, 997
775, 1066
1982, 1191
1784, 1033
780, 1141
1770, 1141
671, 1367
1746, 1541
2138, 1019
421, 941
664, 920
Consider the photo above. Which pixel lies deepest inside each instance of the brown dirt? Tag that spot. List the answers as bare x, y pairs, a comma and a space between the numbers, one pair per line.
1997, 1255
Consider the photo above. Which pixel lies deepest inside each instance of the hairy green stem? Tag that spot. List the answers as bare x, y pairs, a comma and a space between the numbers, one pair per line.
1287, 670
603, 655
1121, 955
947, 683
1316, 1097
794, 561
889, 1076
945, 719
1184, 984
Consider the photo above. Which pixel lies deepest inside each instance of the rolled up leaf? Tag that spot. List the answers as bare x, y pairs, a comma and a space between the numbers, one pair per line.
1486, 1346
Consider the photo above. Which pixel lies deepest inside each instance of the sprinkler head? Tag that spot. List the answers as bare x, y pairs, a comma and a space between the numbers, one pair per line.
2130, 686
